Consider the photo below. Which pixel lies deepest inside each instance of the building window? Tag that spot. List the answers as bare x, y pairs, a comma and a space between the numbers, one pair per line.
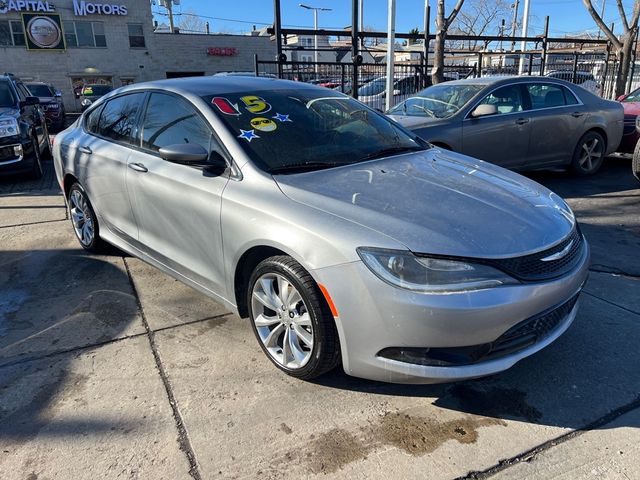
85, 34
136, 35
11, 33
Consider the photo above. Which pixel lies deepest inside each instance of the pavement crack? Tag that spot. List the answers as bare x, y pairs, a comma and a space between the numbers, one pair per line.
532, 453
611, 303
183, 436
32, 223
613, 271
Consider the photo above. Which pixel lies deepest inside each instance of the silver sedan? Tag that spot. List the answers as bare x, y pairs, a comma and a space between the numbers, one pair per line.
344, 238
520, 123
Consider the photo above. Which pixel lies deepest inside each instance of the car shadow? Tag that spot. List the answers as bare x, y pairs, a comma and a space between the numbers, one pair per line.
55, 305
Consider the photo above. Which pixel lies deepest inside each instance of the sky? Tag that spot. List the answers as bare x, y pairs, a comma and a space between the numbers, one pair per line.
228, 16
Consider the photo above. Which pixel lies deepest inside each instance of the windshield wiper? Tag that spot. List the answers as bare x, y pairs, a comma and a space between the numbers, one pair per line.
304, 167
387, 152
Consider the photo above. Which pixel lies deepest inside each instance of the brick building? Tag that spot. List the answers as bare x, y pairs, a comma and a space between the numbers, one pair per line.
73, 42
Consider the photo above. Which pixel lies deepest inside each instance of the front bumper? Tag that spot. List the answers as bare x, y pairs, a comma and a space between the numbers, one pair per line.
15, 155
373, 316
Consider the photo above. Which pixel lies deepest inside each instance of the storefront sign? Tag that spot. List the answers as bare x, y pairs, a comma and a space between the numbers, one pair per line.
82, 8
222, 52
26, 6
44, 31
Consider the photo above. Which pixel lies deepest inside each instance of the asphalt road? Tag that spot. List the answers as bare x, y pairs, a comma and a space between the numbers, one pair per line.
111, 369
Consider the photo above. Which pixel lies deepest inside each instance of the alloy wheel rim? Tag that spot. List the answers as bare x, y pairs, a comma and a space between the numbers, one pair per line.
282, 320
590, 154
81, 218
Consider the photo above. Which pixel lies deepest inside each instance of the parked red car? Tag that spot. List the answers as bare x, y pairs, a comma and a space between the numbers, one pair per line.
630, 135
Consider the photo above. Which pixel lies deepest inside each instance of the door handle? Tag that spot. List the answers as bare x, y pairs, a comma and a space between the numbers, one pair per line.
522, 121
138, 167
86, 150
577, 114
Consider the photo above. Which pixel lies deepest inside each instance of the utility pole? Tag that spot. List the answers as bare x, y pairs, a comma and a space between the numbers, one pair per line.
361, 22
315, 27
391, 40
604, 2
168, 4
525, 28
514, 23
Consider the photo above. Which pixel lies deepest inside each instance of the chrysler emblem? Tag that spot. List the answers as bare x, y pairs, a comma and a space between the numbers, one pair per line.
558, 255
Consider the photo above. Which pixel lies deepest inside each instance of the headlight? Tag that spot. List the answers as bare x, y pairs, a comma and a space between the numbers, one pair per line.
9, 127
86, 102
431, 275
638, 123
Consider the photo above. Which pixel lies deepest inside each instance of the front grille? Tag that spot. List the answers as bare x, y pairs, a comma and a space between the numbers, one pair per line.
526, 333
531, 268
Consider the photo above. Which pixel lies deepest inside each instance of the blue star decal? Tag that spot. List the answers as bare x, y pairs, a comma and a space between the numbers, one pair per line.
282, 117
248, 135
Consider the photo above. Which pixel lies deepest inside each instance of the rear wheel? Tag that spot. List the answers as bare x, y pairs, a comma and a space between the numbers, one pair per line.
635, 163
84, 220
589, 154
291, 319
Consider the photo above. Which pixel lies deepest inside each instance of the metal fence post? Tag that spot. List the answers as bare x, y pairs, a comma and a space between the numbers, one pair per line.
479, 65
354, 48
530, 63
543, 60
607, 59
574, 74
277, 26
633, 62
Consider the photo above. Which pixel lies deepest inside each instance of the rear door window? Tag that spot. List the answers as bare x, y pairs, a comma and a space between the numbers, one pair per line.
118, 118
545, 95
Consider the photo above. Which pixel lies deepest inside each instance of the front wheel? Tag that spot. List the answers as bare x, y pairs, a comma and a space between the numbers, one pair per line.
589, 154
84, 220
36, 169
291, 319
635, 163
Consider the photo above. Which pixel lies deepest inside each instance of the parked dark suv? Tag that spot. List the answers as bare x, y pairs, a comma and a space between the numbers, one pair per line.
24, 139
51, 103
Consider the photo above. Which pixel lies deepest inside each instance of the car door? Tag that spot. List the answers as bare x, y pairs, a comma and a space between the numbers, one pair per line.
502, 138
102, 151
31, 114
178, 206
557, 120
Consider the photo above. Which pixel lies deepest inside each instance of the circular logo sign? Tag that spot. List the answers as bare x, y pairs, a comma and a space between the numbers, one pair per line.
44, 32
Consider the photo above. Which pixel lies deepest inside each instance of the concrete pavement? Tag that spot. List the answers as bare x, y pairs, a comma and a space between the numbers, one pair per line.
111, 369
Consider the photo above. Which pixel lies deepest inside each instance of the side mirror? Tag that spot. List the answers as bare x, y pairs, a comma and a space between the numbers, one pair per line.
620, 98
484, 110
185, 154
28, 101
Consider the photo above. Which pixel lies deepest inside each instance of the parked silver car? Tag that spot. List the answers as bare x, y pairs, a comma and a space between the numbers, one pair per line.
342, 236
520, 123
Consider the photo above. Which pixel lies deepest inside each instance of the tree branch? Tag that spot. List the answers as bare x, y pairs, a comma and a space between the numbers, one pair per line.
454, 13
596, 18
635, 15
623, 15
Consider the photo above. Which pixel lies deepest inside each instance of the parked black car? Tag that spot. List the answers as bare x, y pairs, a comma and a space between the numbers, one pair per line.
90, 93
51, 103
24, 138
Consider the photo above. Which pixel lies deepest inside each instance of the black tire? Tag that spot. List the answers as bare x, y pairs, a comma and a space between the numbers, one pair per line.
36, 169
325, 353
635, 163
95, 244
583, 163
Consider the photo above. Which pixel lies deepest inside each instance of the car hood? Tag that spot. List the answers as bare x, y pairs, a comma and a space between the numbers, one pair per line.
8, 112
413, 121
439, 202
631, 108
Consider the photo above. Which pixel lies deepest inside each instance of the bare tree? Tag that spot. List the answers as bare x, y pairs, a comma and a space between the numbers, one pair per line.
190, 22
623, 45
442, 26
481, 17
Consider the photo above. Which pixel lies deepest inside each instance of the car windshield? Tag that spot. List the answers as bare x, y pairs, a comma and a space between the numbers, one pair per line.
96, 90
38, 90
374, 87
6, 97
294, 130
633, 96
438, 101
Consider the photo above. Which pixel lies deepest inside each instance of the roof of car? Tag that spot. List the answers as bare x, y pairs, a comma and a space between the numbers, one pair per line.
221, 84
494, 80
